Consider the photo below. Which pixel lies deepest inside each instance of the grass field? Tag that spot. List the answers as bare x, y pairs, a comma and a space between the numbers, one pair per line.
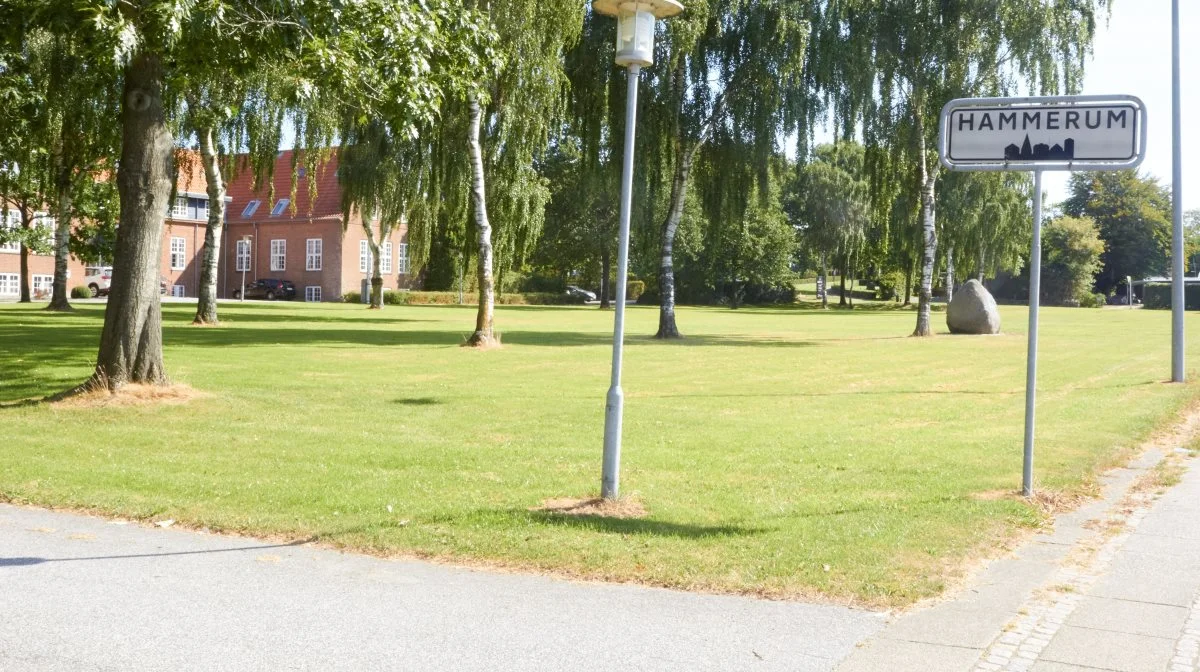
782, 452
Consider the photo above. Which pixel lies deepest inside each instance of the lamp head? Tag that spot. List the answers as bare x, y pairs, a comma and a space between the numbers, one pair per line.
635, 26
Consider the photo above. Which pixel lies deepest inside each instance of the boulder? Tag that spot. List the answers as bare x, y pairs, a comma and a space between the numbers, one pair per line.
973, 311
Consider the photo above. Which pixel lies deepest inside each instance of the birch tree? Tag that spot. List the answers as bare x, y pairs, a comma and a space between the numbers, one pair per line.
726, 68
901, 60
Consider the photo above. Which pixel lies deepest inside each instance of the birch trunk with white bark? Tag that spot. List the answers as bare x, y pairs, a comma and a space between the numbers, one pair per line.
485, 317
206, 306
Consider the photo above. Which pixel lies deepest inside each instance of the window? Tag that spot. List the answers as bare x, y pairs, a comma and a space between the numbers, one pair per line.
177, 291
10, 284
385, 259
179, 210
280, 206
364, 257
202, 208
278, 255
11, 222
402, 259
178, 253
312, 294
250, 208
43, 286
242, 262
47, 224
312, 254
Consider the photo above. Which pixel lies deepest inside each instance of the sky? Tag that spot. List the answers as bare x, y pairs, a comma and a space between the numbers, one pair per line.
1133, 56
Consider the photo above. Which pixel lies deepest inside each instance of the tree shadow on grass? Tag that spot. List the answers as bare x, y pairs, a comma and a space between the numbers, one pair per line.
597, 523
419, 401
636, 526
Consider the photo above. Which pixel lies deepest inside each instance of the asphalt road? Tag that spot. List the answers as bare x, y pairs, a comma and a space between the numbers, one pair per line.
80, 593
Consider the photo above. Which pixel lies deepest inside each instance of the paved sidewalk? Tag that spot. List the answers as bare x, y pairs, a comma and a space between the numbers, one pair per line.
1115, 586
79, 593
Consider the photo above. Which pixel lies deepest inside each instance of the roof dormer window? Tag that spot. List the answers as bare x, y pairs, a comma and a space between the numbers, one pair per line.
251, 207
280, 206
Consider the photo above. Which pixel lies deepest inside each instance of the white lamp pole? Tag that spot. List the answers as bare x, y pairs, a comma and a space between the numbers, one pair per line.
1178, 295
635, 50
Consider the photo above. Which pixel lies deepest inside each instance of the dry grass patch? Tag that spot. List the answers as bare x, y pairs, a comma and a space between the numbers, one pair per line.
627, 507
131, 395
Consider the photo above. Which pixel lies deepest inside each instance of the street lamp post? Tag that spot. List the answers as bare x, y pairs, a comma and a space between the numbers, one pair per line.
635, 50
1178, 300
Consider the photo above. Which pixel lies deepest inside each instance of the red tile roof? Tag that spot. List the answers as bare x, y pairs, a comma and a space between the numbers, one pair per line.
328, 203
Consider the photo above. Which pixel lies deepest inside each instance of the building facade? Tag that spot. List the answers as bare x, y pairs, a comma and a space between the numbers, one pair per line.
303, 242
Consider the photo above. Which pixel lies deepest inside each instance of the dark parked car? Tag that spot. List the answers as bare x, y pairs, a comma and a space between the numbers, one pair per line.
269, 289
580, 293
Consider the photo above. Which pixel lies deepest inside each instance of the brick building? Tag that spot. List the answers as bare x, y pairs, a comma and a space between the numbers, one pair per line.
301, 242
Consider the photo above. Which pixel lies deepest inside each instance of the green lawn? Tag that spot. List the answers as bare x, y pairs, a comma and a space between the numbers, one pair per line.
782, 452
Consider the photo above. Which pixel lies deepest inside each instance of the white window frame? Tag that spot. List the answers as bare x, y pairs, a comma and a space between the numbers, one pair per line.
178, 253
279, 254
41, 285
312, 294
178, 291
402, 259
179, 209
364, 257
241, 259
385, 259
10, 284
313, 249
280, 206
250, 209
11, 222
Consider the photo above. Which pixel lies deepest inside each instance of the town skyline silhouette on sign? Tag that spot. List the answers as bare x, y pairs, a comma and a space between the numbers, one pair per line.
1040, 151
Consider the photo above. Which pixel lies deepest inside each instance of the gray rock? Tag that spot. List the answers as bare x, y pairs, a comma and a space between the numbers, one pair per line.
973, 311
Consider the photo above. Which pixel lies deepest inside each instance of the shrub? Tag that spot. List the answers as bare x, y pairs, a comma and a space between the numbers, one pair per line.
1157, 295
81, 292
352, 297
889, 286
764, 294
395, 298
636, 289
1092, 300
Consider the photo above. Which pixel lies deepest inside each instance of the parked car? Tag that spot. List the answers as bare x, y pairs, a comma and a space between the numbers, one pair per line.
269, 289
580, 293
1122, 300
98, 279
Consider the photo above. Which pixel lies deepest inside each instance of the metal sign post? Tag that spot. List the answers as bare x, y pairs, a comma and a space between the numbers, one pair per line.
1034, 135
1178, 298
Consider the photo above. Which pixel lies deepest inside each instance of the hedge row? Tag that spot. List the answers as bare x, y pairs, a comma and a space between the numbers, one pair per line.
394, 298
1158, 295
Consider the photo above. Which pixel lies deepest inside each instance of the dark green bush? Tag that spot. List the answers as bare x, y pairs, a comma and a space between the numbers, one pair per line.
81, 292
1090, 300
889, 286
636, 289
394, 298
1157, 295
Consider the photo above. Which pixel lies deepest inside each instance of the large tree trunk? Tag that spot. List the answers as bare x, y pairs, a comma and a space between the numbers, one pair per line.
131, 343
929, 228
605, 271
485, 317
62, 251
27, 224
206, 307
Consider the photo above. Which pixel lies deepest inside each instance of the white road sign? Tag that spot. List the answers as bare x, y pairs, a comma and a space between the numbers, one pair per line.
1056, 133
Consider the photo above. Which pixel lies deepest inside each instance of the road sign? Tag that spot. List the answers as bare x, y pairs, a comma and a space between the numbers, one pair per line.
1036, 135
1051, 133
